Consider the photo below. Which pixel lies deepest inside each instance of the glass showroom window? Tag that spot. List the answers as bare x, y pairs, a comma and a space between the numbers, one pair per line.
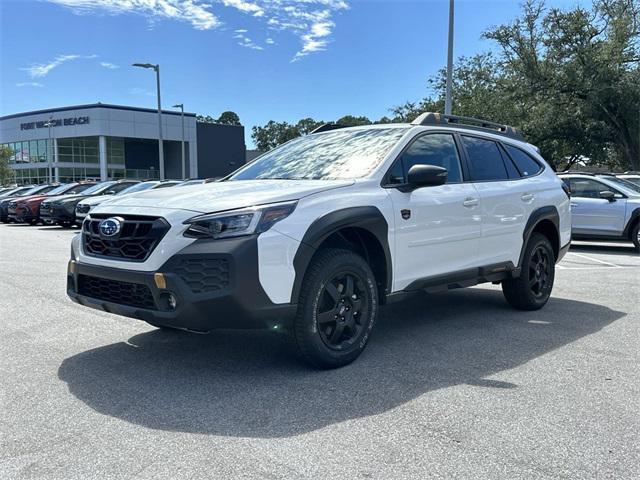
115, 151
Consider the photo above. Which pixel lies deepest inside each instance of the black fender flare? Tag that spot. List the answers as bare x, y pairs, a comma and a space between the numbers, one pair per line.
368, 218
543, 213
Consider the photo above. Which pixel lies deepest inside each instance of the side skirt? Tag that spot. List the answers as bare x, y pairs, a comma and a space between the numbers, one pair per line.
465, 278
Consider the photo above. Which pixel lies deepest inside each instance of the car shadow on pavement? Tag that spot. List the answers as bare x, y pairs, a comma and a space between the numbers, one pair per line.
606, 249
248, 384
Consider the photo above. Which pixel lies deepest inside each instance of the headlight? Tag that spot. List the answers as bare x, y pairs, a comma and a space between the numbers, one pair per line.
236, 223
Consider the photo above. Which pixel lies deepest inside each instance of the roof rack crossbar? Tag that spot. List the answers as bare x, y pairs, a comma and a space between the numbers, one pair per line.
432, 118
327, 127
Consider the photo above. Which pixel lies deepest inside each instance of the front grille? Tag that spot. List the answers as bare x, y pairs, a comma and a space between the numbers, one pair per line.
138, 237
204, 275
83, 208
13, 205
123, 293
45, 209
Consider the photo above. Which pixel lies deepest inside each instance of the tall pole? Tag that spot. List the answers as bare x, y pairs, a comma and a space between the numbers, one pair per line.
447, 100
181, 107
50, 151
160, 141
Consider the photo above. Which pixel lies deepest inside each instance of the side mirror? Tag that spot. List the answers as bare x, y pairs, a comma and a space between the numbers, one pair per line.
426, 176
608, 195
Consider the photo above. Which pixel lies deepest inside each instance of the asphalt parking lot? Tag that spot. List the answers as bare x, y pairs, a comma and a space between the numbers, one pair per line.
456, 385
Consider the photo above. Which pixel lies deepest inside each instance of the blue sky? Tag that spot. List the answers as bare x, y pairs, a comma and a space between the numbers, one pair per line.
264, 59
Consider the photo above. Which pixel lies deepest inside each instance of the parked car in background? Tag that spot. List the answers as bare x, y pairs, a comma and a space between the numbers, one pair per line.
62, 210
12, 206
17, 193
15, 190
633, 177
47, 205
27, 210
85, 205
313, 236
604, 207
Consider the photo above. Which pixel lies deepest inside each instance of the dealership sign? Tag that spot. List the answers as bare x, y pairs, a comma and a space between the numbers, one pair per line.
59, 122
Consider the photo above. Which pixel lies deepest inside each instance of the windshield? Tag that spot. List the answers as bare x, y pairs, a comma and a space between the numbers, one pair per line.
634, 180
624, 183
33, 190
60, 189
339, 154
97, 188
138, 187
190, 182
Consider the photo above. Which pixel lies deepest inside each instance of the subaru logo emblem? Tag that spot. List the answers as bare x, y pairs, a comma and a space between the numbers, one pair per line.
110, 227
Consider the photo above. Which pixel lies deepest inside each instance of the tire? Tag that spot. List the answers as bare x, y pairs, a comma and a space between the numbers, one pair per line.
337, 309
532, 289
635, 236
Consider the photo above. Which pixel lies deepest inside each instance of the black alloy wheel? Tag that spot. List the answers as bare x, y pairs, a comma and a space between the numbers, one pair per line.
342, 310
337, 309
532, 288
539, 271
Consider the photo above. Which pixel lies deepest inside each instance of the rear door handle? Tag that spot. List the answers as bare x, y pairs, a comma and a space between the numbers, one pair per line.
527, 197
470, 202
573, 204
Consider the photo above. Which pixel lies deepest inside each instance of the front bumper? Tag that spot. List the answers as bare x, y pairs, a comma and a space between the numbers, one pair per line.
60, 214
22, 214
215, 284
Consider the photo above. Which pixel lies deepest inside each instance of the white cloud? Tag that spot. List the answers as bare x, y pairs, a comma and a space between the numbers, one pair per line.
311, 21
196, 12
270, 41
29, 84
110, 66
141, 91
40, 70
245, 41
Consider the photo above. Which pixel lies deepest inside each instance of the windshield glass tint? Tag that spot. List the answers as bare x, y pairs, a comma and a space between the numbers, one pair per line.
32, 190
59, 189
339, 154
138, 187
97, 188
624, 183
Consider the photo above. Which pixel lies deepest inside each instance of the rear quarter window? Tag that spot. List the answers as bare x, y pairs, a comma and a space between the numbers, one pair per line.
525, 163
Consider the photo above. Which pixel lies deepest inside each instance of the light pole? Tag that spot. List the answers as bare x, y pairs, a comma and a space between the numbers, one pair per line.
50, 150
447, 99
160, 144
181, 107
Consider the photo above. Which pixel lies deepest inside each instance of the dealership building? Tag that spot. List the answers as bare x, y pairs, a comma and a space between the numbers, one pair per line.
101, 141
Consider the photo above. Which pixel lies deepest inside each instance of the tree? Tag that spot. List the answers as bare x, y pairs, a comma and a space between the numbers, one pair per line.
578, 71
273, 134
351, 121
229, 118
6, 173
225, 118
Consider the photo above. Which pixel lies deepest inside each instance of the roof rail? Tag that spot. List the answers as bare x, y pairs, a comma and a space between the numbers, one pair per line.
631, 172
431, 118
577, 172
327, 127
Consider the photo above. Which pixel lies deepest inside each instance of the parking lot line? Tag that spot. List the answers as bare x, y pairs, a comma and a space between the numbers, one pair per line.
594, 259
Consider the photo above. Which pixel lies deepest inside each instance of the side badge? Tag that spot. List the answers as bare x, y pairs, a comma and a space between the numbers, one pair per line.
406, 213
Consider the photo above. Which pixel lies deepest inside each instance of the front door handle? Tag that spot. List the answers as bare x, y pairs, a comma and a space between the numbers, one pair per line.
527, 197
573, 204
470, 202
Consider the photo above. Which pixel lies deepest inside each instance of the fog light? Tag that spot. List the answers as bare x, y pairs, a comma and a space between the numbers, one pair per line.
71, 267
172, 302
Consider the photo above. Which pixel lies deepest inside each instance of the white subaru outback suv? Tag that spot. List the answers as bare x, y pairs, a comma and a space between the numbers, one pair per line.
313, 236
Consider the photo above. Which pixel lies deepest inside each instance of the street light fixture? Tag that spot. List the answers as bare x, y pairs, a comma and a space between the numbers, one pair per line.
160, 142
181, 107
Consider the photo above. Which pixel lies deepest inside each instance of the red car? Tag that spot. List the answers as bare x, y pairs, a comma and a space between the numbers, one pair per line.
27, 209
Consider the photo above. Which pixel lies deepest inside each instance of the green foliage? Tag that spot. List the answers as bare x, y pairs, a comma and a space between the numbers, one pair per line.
6, 173
229, 118
225, 118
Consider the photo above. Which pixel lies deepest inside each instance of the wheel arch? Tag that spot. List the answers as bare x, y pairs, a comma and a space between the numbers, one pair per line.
544, 220
634, 218
361, 229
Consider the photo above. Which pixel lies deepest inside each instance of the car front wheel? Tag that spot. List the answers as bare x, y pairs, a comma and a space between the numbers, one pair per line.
635, 236
337, 309
532, 289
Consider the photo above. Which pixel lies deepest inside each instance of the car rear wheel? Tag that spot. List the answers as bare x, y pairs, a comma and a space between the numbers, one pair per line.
635, 236
337, 309
532, 289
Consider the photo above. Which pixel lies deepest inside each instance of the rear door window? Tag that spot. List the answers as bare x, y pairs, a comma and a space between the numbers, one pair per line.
485, 159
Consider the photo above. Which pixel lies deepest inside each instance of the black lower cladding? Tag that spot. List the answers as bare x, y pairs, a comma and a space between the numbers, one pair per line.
215, 284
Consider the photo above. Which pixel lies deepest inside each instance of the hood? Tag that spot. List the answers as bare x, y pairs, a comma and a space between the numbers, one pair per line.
31, 198
219, 196
60, 197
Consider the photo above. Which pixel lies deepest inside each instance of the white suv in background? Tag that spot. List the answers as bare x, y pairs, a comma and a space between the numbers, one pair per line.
314, 236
